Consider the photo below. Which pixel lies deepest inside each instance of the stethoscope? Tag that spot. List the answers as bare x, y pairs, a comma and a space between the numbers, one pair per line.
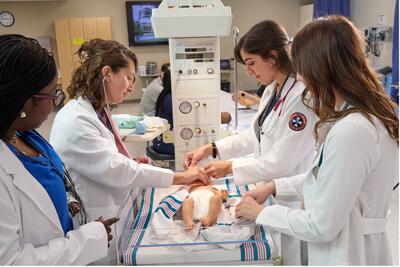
279, 103
282, 100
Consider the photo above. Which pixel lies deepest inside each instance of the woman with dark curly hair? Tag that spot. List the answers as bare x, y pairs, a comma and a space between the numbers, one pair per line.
85, 136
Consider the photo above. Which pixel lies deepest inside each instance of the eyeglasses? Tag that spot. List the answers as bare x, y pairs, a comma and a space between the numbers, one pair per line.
58, 97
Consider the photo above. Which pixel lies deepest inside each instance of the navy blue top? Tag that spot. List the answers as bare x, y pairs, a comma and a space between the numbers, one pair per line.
165, 112
261, 90
48, 170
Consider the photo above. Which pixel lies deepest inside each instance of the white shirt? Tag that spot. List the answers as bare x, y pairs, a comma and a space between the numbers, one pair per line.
347, 201
148, 101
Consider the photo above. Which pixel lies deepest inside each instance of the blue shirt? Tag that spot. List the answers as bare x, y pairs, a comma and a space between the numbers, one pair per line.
165, 112
48, 170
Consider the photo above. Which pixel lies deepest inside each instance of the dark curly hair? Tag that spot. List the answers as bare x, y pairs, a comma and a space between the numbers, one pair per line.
94, 55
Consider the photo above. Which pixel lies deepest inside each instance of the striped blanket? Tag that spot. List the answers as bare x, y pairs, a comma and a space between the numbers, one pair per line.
133, 239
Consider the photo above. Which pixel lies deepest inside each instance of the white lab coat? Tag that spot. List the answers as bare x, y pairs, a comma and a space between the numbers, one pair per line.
148, 101
346, 200
101, 174
280, 152
30, 230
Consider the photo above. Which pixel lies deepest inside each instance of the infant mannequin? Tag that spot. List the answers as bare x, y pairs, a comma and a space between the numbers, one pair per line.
203, 203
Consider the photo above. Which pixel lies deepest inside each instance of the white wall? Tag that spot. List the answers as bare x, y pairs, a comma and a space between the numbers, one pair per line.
246, 13
306, 14
364, 14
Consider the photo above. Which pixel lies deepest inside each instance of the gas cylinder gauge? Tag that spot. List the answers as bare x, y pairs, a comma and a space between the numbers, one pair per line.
185, 107
186, 133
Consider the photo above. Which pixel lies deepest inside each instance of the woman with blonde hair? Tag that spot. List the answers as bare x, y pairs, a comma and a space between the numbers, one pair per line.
348, 189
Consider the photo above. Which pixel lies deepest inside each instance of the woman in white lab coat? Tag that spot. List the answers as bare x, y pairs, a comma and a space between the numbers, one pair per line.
35, 222
87, 140
281, 135
348, 189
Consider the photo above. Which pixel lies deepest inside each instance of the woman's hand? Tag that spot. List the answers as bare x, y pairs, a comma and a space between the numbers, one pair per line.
107, 224
248, 208
218, 169
193, 157
261, 193
143, 160
190, 175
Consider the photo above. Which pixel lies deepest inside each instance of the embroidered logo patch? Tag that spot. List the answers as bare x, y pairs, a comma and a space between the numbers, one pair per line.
297, 121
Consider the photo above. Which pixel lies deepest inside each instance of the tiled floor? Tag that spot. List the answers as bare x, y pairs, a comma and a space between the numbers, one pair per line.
139, 148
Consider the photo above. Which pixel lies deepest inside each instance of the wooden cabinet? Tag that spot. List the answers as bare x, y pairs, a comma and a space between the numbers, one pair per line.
71, 33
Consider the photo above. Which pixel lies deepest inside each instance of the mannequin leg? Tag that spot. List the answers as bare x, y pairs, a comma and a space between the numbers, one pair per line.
213, 212
187, 213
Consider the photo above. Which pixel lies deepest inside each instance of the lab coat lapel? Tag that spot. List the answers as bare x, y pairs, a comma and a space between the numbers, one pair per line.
272, 118
89, 107
25, 182
263, 103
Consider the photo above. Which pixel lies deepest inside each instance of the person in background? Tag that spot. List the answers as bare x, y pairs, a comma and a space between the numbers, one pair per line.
281, 133
347, 190
86, 138
150, 95
35, 224
163, 108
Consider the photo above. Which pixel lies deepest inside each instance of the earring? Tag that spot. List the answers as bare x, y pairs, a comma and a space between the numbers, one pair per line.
22, 115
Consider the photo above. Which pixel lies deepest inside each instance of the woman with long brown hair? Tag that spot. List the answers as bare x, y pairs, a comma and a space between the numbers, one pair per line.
347, 192
281, 133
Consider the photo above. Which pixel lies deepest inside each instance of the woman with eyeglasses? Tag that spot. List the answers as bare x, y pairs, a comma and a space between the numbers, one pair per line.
85, 136
348, 188
36, 219
280, 138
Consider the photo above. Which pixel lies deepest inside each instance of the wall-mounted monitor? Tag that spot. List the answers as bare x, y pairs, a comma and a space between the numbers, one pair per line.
140, 30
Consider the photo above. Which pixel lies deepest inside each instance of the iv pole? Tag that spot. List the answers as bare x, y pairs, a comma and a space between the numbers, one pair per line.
235, 32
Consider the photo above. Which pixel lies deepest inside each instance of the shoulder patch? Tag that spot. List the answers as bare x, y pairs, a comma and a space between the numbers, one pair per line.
297, 121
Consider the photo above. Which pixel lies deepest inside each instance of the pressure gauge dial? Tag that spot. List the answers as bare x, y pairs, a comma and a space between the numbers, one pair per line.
186, 133
185, 107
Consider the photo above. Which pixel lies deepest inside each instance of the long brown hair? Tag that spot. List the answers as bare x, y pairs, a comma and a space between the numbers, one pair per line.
94, 55
261, 39
329, 54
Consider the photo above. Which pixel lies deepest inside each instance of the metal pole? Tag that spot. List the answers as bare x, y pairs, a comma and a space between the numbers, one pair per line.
235, 32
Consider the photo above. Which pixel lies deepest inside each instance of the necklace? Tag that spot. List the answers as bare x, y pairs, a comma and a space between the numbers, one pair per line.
19, 145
